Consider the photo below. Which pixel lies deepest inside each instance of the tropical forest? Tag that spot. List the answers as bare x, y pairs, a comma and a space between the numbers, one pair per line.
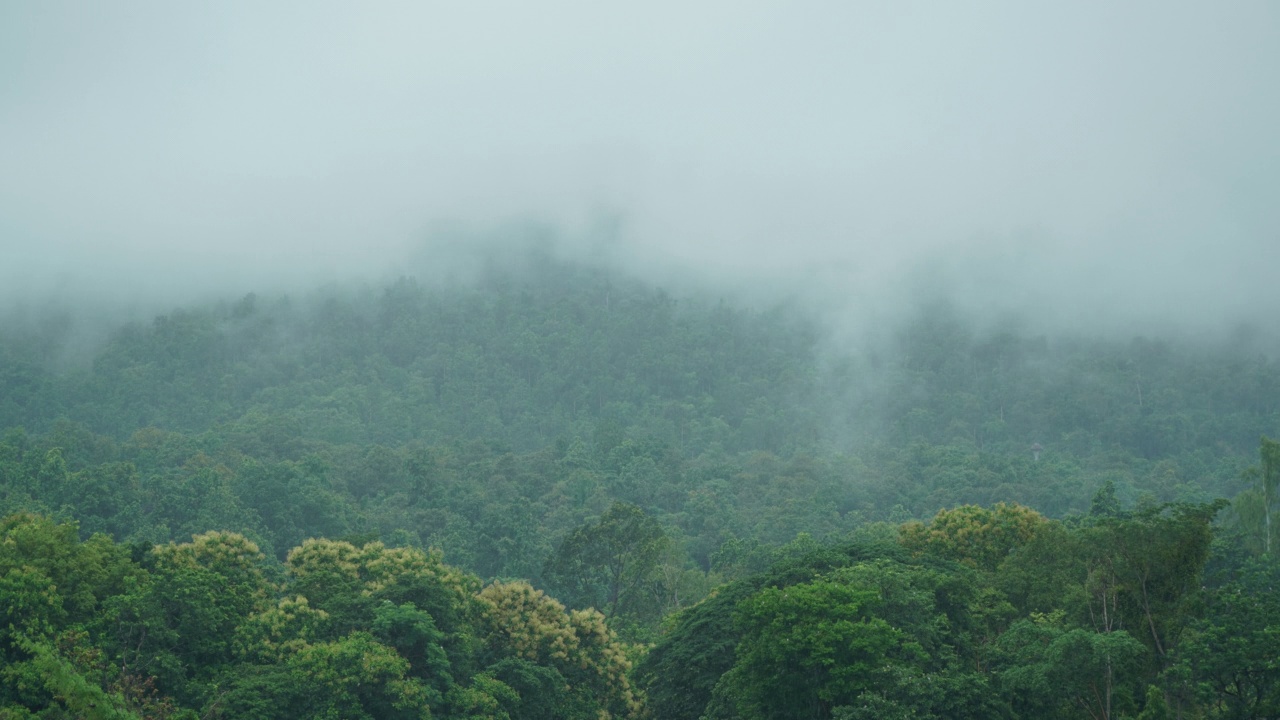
554, 489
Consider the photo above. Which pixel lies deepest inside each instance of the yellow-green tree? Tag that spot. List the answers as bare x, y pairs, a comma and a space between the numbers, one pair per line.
975, 536
523, 622
205, 588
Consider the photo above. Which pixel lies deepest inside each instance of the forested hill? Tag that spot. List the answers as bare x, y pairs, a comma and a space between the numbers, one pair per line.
628, 449
543, 351
519, 357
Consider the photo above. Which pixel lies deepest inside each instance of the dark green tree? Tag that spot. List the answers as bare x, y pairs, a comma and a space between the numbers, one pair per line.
609, 564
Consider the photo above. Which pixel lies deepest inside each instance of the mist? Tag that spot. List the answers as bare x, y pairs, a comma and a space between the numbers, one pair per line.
1095, 166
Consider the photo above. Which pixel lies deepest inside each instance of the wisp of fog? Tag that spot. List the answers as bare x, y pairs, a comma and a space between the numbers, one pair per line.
1094, 161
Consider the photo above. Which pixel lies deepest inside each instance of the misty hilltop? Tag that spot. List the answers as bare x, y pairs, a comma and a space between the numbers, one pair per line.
1105, 165
715, 361
266, 487
528, 350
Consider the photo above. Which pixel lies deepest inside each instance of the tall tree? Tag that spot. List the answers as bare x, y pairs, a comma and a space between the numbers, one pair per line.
608, 562
1269, 482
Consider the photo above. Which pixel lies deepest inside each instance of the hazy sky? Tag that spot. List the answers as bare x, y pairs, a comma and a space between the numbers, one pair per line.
1102, 157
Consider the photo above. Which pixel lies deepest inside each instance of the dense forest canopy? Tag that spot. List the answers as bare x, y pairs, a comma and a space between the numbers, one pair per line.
556, 490
655, 361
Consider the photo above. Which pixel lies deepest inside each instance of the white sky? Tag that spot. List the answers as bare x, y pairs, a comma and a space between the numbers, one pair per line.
1118, 156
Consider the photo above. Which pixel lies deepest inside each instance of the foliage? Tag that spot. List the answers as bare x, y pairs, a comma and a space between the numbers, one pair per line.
523, 623
611, 563
243, 510
973, 535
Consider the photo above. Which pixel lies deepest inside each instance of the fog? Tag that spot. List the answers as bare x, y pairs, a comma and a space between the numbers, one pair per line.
1094, 162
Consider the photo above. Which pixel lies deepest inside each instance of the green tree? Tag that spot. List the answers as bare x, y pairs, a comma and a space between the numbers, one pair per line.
353, 677
521, 622
1056, 672
203, 590
1229, 651
1269, 480
1150, 565
975, 536
1253, 507
809, 647
610, 563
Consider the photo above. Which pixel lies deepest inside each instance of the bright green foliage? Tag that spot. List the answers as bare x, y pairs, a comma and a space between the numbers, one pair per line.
1071, 621
69, 692
859, 629
275, 633
353, 585
81, 573
1156, 707
357, 677
327, 572
808, 647
51, 586
877, 636
354, 677
197, 629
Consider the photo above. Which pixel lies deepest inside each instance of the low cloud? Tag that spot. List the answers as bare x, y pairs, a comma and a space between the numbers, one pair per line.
1094, 162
